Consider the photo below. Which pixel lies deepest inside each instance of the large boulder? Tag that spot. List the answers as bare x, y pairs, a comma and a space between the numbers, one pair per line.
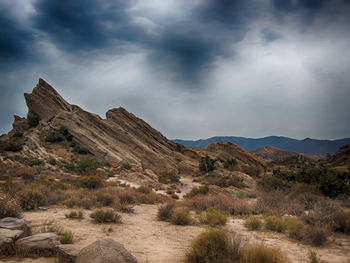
7, 240
40, 244
105, 251
68, 253
13, 223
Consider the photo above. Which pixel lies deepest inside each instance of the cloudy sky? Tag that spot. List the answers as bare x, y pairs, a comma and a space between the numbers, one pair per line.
192, 69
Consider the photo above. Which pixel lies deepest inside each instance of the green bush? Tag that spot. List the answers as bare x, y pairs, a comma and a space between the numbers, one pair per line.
35, 162
206, 164
213, 246
230, 163
168, 178
54, 136
105, 216
253, 223
275, 223
91, 182
87, 166
33, 120
295, 228
64, 131
271, 183
13, 147
198, 190
181, 216
81, 150
125, 165
52, 161
17, 134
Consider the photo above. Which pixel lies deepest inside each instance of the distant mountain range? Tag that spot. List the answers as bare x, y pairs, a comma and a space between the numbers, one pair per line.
308, 146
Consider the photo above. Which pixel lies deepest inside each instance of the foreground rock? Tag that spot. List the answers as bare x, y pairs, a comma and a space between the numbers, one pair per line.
13, 223
68, 253
41, 244
7, 240
105, 251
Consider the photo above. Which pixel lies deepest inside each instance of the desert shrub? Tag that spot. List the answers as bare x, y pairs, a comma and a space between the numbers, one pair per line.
198, 190
165, 211
313, 258
213, 246
168, 178
105, 197
13, 147
271, 183
17, 134
179, 147
74, 214
65, 132
80, 150
321, 211
213, 217
295, 228
340, 221
125, 165
86, 203
54, 136
203, 202
91, 182
8, 206
230, 163
206, 164
87, 166
71, 201
105, 216
144, 189
275, 223
127, 197
259, 253
242, 207
253, 223
317, 234
67, 237
35, 162
30, 199
33, 120
225, 181
180, 216
52, 161
124, 207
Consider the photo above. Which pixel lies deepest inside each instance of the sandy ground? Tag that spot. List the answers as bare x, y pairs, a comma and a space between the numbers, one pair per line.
152, 241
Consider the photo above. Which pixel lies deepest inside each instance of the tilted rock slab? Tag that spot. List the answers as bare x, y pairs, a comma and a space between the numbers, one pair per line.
105, 251
13, 223
41, 244
7, 241
68, 253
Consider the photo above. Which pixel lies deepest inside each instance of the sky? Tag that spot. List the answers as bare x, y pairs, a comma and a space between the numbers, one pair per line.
191, 69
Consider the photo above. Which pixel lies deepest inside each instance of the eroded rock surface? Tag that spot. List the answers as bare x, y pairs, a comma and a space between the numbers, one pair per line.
40, 245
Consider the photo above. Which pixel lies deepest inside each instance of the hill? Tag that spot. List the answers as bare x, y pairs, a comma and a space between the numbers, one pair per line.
307, 146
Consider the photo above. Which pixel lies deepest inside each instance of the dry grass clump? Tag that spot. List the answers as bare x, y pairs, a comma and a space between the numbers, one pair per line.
317, 234
67, 237
203, 202
198, 190
253, 223
242, 207
105, 216
165, 211
71, 201
105, 197
213, 217
30, 199
313, 257
214, 246
340, 221
8, 206
74, 214
275, 223
181, 216
295, 227
259, 253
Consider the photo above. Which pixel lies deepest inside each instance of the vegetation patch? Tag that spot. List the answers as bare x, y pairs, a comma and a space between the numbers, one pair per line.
253, 223
213, 217
8, 206
107, 215
181, 216
206, 164
165, 211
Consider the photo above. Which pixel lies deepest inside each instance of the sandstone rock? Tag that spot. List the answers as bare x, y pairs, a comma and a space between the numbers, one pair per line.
13, 223
7, 239
68, 253
20, 124
41, 244
105, 251
245, 179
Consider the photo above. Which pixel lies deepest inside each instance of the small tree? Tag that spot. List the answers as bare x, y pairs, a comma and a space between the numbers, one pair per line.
206, 164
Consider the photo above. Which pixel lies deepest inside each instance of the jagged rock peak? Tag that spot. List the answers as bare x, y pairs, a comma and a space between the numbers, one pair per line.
45, 102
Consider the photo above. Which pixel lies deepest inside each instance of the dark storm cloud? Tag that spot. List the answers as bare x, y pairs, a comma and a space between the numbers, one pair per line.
16, 42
